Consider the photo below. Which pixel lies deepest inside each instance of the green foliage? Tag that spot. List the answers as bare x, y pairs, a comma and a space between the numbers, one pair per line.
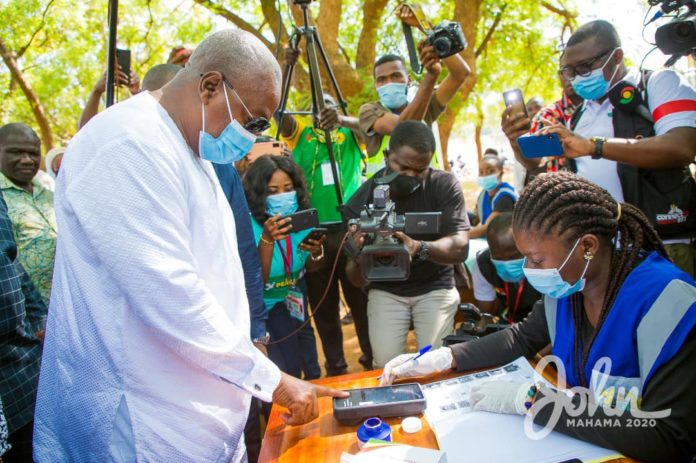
68, 54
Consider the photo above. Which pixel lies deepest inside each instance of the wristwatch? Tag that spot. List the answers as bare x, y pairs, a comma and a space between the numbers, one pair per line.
598, 147
264, 340
424, 252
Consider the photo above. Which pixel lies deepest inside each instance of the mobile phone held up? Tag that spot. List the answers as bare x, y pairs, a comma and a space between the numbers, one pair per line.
540, 146
303, 220
514, 99
315, 235
123, 58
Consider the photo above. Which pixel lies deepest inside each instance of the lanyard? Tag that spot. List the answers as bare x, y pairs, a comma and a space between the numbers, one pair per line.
513, 310
287, 258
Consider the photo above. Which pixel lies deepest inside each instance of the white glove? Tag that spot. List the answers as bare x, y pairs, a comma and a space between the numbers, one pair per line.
402, 366
500, 397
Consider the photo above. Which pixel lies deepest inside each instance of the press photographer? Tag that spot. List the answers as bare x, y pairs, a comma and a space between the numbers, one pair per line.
377, 119
428, 298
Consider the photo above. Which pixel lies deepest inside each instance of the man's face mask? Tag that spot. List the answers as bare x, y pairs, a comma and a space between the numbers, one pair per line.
511, 271
400, 186
550, 282
233, 143
594, 86
393, 95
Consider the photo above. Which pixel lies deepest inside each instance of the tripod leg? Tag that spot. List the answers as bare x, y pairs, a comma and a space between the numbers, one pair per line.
294, 43
332, 77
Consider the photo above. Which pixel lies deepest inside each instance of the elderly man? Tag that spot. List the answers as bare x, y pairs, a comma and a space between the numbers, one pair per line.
29, 203
148, 355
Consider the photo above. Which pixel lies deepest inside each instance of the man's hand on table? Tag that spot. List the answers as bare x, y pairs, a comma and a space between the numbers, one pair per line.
300, 398
402, 366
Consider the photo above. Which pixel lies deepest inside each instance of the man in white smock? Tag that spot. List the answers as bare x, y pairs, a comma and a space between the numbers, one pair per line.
147, 354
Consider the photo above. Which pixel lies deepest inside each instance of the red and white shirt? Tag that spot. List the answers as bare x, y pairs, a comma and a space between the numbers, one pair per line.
672, 103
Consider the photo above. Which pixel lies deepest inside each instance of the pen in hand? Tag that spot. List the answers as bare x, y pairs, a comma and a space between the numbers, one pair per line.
420, 353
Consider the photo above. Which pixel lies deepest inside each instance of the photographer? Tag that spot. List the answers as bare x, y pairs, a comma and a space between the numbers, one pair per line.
638, 153
378, 119
428, 299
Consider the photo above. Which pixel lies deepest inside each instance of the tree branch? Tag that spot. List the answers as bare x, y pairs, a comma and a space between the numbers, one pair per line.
491, 31
23, 49
30, 94
563, 12
234, 19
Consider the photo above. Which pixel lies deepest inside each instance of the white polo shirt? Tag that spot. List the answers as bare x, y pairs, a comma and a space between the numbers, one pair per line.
672, 102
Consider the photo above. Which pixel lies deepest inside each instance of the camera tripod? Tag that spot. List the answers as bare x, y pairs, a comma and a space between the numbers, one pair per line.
313, 43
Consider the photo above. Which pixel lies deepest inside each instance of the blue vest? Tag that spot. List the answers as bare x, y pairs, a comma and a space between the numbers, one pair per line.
486, 203
652, 315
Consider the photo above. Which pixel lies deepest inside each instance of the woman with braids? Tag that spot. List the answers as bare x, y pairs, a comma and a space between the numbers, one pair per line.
275, 188
620, 318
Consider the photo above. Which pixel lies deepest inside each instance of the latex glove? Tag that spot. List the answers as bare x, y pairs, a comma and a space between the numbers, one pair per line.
401, 366
500, 397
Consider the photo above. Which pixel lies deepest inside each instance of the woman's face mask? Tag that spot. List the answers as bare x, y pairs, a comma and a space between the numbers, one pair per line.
549, 281
282, 203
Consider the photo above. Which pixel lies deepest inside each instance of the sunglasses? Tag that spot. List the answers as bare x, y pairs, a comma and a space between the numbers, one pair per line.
255, 125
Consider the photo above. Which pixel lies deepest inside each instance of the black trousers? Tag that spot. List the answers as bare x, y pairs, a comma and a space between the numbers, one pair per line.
327, 317
20, 440
252, 431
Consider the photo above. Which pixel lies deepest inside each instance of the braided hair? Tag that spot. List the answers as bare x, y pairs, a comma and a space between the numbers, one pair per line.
566, 205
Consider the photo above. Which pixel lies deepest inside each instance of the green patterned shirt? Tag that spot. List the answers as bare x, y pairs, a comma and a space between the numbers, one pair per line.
35, 231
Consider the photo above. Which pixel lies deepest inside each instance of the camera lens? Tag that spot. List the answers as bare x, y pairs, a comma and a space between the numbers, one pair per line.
442, 46
683, 31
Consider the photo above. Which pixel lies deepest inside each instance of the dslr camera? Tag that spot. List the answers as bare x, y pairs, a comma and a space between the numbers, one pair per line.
383, 257
474, 326
446, 38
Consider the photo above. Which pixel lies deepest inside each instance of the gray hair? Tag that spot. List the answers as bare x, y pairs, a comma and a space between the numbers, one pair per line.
242, 58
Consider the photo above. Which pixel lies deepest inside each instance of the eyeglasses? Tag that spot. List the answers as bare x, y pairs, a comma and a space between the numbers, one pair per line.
583, 69
255, 125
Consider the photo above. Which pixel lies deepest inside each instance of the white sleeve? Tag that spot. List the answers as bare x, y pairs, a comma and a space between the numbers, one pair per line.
132, 204
672, 101
483, 290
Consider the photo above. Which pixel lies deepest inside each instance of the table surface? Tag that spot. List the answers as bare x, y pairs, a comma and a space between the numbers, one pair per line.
324, 439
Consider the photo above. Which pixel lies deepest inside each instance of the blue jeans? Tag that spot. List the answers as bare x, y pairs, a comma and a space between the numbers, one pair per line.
297, 354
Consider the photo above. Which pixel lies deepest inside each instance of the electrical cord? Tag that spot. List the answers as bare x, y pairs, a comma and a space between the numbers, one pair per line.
323, 297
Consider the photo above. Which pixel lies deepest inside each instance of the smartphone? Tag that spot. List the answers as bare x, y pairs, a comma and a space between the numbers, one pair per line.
514, 99
303, 220
539, 146
123, 58
387, 401
274, 148
315, 235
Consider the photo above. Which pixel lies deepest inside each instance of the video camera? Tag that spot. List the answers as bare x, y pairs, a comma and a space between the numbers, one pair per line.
475, 325
677, 37
385, 258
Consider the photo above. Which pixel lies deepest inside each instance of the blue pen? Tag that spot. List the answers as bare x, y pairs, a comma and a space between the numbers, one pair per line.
420, 353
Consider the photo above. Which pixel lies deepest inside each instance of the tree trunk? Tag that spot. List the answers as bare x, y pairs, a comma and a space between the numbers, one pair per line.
31, 96
373, 10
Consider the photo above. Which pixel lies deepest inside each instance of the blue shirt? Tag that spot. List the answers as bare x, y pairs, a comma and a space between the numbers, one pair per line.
246, 244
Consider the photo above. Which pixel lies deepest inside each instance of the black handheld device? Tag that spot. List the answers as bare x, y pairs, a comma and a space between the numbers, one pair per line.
123, 58
386, 401
315, 235
309, 218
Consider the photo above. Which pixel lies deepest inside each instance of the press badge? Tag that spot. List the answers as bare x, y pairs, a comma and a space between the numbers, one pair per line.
295, 303
327, 177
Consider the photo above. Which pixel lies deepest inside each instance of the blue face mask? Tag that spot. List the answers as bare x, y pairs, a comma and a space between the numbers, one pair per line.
233, 143
489, 182
594, 86
393, 95
549, 281
281, 203
511, 271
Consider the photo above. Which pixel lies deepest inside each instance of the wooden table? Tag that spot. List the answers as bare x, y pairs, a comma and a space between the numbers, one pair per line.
324, 439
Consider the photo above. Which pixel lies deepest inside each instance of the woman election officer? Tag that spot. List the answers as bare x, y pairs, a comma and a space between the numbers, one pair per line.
619, 316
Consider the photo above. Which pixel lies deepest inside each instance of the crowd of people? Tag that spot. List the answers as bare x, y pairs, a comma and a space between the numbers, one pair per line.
179, 303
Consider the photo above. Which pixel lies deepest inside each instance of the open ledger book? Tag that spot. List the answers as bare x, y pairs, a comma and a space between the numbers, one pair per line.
470, 436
